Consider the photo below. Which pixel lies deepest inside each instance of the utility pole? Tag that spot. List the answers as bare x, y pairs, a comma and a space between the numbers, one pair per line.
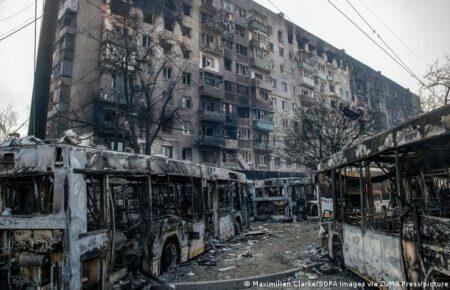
43, 71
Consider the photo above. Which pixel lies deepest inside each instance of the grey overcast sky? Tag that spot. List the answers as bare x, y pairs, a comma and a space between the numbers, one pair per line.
424, 25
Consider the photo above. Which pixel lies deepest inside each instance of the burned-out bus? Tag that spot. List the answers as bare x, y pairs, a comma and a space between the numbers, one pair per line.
84, 218
282, 199
386, 204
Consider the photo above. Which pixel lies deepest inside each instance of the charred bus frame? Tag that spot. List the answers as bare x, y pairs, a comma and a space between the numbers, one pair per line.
280, 199
409, 239
83, 218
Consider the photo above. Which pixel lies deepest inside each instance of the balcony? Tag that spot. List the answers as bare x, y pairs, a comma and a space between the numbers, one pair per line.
263, 84
261, 64
212, 48
306, 66
212, 116
307, 82
214, 92
322, 75
212, 26
231, 144
211, 141
263, 146
307, 101
245, 144
208, 5
256, 25
118, 39
262, 104
71, 5
263, 125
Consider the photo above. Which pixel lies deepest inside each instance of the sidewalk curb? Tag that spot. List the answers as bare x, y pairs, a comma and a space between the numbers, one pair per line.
237, 283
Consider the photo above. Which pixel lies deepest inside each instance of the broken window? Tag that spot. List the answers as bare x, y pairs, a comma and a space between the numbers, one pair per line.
92, 272
225, 191
175, 195
228, 63
148, 16
30, 195
128, 195
187, 78
95, 202
168, 151
187, 153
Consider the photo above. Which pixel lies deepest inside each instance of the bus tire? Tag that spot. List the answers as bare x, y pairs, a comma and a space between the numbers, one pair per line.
169, 255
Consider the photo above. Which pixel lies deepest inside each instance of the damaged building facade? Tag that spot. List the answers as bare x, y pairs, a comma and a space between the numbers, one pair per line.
245, 72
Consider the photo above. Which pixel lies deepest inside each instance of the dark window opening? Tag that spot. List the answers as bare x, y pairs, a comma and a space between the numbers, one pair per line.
31, 195
96, 203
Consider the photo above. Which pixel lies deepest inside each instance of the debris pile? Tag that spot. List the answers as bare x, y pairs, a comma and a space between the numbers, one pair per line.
314, 262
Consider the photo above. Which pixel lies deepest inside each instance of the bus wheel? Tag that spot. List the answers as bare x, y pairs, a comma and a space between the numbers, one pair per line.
169, 257
338, 253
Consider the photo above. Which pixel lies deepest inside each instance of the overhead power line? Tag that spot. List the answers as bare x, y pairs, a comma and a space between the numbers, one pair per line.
382, 40
20, 28
35, 34
393, 33
16, 13
376, 43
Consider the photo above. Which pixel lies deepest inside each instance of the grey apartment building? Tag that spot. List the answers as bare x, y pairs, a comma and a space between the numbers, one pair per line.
246, 71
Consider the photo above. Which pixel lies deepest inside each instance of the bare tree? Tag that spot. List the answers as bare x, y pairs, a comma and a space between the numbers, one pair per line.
319, 131
435, 89
145, 69
148, 70
9, 123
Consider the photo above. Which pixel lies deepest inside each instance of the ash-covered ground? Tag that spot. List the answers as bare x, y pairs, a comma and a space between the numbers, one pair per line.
269, 247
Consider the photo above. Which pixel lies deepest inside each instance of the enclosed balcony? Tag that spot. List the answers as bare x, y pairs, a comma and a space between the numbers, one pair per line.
68, 5
306, 65
263, 146
211, 85
212, 116
263, 104
212, 92
231, 144
307, 82
212, 48
263, 125
208, 5
261, 64
211, 141
257, 25
264, 84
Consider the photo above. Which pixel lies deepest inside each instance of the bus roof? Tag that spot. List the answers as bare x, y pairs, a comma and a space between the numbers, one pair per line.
431, 126
35, 156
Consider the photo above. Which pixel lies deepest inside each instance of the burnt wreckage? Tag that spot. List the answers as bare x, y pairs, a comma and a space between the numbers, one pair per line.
84, 218
282, 199
385, 203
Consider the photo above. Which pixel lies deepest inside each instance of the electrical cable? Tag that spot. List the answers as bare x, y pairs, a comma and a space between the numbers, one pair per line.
382, 40
393, 33
16, 13
376, 43
19, 29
